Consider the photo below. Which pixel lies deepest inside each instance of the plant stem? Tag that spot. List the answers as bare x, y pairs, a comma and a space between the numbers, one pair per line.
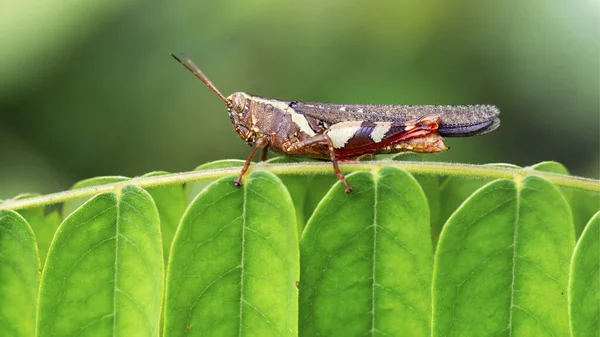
428, 168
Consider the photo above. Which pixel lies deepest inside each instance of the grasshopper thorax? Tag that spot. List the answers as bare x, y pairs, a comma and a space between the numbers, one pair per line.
238, 107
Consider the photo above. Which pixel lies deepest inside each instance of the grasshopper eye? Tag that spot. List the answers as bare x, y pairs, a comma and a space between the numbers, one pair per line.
238, 102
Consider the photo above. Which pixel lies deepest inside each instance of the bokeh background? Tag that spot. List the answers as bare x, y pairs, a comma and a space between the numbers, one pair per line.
87, 88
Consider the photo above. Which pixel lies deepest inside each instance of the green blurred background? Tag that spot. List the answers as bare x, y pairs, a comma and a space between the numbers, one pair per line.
87, 88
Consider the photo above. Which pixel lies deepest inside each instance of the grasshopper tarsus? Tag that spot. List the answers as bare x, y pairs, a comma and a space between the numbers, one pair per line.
237, 182
347, 187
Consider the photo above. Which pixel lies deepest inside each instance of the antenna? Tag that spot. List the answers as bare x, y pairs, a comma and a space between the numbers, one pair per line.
193, 68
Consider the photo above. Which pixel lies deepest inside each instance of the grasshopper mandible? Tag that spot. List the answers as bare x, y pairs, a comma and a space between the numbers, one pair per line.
339, 132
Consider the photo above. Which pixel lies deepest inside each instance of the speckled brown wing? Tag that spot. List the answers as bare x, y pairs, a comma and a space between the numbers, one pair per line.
456, 120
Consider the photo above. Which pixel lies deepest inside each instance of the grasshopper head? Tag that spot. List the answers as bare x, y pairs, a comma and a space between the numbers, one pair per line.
238, 107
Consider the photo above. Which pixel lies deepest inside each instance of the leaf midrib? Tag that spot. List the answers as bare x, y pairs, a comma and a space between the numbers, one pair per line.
375, 204
514, 259
242, 258
115, 287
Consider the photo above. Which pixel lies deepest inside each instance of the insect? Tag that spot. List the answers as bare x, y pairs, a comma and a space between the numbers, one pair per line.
340, 132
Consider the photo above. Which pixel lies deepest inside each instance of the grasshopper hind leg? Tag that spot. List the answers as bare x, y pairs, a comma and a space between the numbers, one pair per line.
321, 139
336, 169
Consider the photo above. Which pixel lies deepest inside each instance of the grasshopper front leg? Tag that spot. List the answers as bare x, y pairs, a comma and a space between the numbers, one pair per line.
321, 139
260, 142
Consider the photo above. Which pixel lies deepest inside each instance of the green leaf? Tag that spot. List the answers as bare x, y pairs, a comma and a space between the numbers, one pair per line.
170, 200
583, 204
19, 275
196, 187
431, 187
44, 225
367, 259
455, 190
584, 282
306, 190
234, 262
71, 205
104, 272
550, 166
502, 262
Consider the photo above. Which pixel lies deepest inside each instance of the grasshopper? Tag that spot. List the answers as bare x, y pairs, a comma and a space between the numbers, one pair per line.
340, 132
